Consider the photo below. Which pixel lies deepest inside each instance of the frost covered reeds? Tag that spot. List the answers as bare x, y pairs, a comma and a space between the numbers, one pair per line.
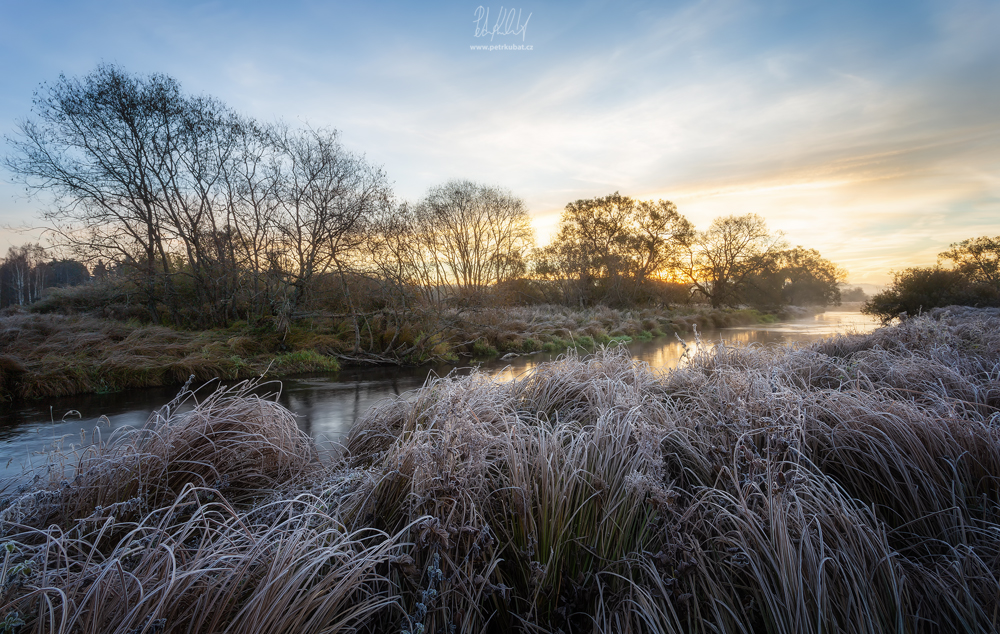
849, 485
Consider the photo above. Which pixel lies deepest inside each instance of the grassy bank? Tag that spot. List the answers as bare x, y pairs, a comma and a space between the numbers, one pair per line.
57, 355
46, 355
525, 329
850, 485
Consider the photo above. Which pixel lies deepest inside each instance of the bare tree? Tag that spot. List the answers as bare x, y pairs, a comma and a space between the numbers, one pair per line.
471, 237
252, 200
100, 146
326, 196
181, 189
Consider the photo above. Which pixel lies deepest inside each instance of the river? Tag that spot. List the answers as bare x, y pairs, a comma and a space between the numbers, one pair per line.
327, 405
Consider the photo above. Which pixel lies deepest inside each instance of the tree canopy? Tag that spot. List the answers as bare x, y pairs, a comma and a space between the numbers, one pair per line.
611, 247
721, 261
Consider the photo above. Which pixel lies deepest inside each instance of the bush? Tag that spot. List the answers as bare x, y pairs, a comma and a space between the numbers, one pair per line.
920, 289
484, 349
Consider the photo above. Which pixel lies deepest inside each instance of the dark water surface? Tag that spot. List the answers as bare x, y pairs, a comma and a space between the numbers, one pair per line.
328, 404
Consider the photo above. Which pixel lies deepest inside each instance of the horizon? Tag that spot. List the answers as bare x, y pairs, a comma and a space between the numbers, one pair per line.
867, 132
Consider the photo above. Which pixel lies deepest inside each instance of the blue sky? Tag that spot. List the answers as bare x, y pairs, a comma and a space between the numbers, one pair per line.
867, 130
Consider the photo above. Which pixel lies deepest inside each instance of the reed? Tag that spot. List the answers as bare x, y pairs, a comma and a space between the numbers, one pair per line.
849, 485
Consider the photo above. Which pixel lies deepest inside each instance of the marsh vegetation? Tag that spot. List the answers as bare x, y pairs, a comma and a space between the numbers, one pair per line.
45, 355
847, 485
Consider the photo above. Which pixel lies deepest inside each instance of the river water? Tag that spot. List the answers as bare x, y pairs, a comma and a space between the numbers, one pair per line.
327, 405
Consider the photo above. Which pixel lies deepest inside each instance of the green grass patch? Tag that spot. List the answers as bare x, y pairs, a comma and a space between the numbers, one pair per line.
483, 349
530, 345
300, 361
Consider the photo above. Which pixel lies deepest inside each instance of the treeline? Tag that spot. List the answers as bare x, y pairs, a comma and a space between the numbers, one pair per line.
967, 274
205, 217
26, 272
618, 250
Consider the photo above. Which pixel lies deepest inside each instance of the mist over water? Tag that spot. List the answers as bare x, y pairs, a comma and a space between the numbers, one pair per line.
328, 405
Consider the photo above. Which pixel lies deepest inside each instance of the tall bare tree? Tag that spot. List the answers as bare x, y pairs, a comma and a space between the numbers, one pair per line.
326, 196
100, 145
185, 192
470, 237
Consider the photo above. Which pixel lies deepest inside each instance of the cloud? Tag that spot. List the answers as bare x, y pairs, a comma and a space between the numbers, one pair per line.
865, 130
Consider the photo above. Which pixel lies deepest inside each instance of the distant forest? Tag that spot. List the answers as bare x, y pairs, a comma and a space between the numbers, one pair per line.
25, 273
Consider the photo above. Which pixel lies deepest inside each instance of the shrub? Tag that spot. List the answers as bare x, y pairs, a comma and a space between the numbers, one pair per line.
482, 348
920, 289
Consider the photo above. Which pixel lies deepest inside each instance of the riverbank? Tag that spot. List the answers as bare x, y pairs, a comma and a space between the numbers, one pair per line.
48, 355
848, 485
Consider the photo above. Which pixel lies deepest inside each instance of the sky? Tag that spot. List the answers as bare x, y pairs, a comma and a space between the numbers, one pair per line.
867, 130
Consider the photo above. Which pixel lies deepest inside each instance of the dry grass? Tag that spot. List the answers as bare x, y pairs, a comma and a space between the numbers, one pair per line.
851, 485
57, 355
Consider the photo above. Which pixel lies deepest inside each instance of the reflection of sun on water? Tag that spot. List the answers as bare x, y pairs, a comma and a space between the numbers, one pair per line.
663, 353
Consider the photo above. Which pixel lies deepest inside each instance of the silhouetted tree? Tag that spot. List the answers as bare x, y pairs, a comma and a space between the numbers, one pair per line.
465, 236
721, 260
973, 282
977, 258
918, 289
103, 146
610, 247
325, 196
191, 198
796, 276
66, 273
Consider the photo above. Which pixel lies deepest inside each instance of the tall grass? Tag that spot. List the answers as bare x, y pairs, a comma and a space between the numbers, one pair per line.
850, 485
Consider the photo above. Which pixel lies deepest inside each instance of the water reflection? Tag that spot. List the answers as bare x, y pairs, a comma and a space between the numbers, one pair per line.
328, 405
